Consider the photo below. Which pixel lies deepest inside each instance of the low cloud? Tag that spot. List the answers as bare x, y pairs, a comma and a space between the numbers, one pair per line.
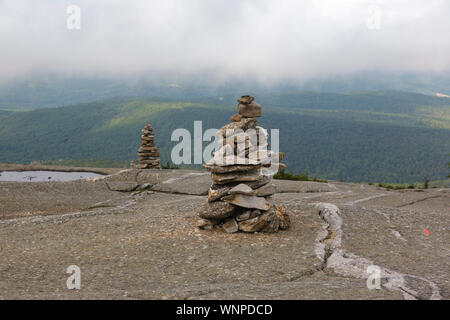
264, 39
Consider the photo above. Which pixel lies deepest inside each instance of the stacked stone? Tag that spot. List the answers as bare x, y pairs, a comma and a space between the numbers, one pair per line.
241, 195
148, 155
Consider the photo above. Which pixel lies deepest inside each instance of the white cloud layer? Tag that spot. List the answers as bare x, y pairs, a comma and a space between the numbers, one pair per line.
266, 39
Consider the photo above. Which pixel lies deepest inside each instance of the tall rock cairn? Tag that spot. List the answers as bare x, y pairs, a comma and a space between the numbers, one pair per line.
148, 155
240, 197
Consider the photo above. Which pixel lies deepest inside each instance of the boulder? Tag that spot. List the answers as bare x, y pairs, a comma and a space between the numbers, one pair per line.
283, 217
221, 178
142, 148
230, 168
232, 160
230, 226
236, 117
216, 210
259, 183
251, 110
250, 202
241, 189
246, 99
272, 226
248, 214
206, 224
149, 161
266, 190
215, 192
264, 223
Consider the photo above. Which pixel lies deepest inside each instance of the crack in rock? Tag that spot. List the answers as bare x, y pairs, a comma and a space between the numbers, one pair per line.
417, 201
388, 217
351, 203
328, 249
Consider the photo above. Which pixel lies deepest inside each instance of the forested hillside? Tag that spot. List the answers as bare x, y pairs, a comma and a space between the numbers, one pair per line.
378, 137
4, 113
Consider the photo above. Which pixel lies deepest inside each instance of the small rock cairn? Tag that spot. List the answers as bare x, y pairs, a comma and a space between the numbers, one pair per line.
241, 195
148, 155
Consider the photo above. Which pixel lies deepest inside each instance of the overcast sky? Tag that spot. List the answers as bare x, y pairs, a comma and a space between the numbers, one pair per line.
266, 39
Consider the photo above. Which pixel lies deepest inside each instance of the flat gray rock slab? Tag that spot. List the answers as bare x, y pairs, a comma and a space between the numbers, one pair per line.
241, 189
301, 186
175, 181
250, 202
156, 176
141, 250
123, 175
46, 198
147, 246
194, 183
308, 287
153, 176
395, 238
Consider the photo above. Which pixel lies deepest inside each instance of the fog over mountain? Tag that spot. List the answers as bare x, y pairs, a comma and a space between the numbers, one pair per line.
266, 41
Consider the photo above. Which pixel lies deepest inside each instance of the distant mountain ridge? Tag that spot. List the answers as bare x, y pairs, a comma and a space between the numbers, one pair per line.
377, 101
51, 90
